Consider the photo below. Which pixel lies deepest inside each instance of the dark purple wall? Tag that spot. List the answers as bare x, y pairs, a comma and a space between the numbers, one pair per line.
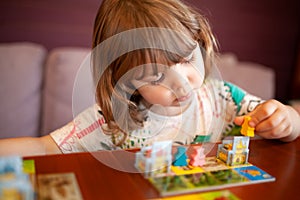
262, 31
50, 22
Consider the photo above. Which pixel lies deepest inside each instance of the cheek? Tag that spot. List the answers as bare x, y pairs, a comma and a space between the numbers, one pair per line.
195, 78
157, 95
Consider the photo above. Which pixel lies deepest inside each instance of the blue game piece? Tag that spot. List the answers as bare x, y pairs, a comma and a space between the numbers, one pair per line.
180, 157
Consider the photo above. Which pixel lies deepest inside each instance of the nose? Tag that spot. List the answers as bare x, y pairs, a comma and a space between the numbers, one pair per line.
181, 84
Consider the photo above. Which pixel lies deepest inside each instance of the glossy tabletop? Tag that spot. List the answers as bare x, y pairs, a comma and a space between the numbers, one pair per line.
97, 180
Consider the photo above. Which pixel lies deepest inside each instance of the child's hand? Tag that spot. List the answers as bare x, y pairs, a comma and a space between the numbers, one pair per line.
274, 120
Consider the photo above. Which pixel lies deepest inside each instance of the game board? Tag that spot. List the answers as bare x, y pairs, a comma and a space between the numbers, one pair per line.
213, 175
198, 173
211, 195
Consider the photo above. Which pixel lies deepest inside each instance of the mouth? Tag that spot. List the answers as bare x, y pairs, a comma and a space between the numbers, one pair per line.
184, 98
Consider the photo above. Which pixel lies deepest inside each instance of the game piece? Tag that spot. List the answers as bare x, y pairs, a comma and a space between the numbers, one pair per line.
180, 157
235, 151
246, 130
197, 157
155, 159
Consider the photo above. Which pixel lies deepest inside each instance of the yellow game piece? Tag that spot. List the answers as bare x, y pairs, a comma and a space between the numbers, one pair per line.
246, 129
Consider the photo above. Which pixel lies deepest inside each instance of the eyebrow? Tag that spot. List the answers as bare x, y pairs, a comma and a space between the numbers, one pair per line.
149, 70
154, 66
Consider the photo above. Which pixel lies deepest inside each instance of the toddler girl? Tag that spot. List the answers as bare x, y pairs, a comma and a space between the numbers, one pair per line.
155, 79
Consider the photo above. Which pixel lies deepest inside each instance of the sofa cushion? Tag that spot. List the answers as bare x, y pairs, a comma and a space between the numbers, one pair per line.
61, 68
21, 80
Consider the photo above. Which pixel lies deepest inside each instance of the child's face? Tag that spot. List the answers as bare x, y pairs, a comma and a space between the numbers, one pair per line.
172, 86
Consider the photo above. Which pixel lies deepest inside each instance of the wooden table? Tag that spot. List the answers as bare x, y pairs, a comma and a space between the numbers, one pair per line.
98, 181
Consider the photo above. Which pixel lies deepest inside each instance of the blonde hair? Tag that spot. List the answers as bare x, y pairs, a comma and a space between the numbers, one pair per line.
118, 16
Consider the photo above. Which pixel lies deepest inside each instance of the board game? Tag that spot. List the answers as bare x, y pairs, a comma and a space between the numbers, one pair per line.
211, 195
213, 175
179, 173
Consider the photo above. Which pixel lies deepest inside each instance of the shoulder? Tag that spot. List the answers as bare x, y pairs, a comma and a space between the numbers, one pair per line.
83, 133
91, 113
225, 89
230, 93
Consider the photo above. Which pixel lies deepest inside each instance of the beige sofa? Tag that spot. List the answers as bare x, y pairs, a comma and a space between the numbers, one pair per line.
37, 85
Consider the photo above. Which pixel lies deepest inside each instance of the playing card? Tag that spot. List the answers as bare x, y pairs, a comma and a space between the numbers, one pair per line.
58, 186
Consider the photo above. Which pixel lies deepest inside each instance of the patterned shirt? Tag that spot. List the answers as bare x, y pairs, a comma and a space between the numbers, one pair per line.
209, 117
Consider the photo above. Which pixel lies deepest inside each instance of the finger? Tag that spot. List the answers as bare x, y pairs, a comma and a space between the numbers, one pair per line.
275, 126
275, 133
276, 119
262, 112
239, 120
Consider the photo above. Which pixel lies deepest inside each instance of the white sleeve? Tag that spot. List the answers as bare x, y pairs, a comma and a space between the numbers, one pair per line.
84, 133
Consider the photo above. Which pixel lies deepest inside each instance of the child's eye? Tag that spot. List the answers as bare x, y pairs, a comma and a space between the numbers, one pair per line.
159, 78
186, 62
188, 59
